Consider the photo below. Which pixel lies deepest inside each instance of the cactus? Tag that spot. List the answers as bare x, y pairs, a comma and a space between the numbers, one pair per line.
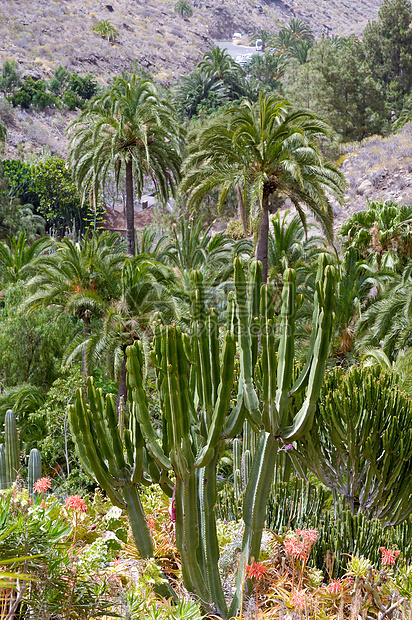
12, 451
3, 475
361, 446
195, 382
99, 446
276, 413
34, 469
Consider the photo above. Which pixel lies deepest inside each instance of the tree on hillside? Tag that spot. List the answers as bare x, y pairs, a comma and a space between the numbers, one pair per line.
388, 50
128, 127
184, 9
106, 30
267, 149
338, 84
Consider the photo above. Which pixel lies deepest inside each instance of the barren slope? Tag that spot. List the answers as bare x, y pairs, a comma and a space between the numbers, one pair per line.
42, 33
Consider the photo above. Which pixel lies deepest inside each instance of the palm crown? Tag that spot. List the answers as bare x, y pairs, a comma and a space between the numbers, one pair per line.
266, 149
130, 127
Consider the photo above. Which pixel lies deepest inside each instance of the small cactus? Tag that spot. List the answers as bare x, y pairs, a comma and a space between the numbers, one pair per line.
34, 470
12, 451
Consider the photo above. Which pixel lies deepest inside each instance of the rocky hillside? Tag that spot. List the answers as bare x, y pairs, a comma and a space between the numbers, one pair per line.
40, 34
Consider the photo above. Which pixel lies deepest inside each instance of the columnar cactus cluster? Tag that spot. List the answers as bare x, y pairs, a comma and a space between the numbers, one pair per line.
202, 407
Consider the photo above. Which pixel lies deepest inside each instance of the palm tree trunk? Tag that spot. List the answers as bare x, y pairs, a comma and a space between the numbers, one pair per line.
129, 209
241, 208
263, 240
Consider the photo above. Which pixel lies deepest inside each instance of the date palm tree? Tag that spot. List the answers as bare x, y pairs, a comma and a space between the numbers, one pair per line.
78, 279
127, 127
270, 151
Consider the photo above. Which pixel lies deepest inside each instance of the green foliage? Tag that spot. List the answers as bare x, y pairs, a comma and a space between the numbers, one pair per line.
53, 435
338, 84
49, 187
388, 51
381, 234
33, 93
184, 9
107, 30
10, 77
59, 202
16, 218
31, 346
266, 71
361, 445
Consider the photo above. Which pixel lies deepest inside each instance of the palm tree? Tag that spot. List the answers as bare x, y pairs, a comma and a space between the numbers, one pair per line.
193, 247
79, 278
107, 30
268, 150
144, 286
387, 322
402, 365
218, 63
19, 260
129, 126
289, 245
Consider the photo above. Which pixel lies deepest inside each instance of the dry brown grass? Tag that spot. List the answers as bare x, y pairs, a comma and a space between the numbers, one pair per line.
151, 32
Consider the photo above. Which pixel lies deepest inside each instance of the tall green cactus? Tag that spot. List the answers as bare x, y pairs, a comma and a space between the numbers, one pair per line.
200, 411
116, 466
12, 450
274, 413
34, 469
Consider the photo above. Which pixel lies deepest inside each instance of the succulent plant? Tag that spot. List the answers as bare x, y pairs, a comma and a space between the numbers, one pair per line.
201, 410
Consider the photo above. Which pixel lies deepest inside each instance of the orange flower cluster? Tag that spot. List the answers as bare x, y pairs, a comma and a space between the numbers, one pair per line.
300, 544
389, 556
76, 502
42, 485
298, 599
256, 570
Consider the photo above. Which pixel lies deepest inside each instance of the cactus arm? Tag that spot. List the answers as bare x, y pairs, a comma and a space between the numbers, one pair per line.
254, 304
138, 522
34, 469
79, 445
207, 500
115, 435
142, 410
304, 418
92, 449
202, 336
187, 522
96, 404
268, 360
302, 380
12, 450
254, 510
214, 354
236, 419
286, 346
222, 403
250, 396
3, 470
230, 312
